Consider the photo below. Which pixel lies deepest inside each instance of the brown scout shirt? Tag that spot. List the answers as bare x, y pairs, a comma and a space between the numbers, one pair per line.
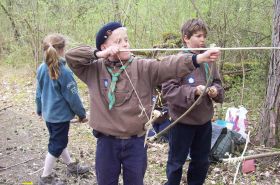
124, 119
180, 95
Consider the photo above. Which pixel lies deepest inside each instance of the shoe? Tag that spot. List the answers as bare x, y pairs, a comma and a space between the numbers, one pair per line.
76, 168
50, 180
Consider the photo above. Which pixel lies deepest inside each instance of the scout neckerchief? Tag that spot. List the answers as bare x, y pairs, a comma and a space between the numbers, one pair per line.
115, 78
206, 66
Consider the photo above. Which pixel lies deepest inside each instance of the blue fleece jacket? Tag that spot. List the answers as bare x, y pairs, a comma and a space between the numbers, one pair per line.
58, 100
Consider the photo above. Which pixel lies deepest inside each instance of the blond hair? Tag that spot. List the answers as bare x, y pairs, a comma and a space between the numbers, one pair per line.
51, 44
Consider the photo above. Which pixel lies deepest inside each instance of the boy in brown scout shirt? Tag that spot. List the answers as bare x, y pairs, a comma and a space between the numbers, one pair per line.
193, 133
114, 80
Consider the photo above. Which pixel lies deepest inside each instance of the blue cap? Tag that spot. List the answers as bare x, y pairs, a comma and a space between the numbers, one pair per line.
102, 34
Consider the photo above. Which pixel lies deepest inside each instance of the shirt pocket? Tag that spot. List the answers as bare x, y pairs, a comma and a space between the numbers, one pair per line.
123, 92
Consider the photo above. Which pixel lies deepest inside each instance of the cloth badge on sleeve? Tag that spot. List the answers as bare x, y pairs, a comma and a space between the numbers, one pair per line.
190, 80
105, 83
154, 98
72, 86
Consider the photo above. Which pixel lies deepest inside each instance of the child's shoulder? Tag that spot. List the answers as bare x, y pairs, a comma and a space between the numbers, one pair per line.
65, 69
42, 66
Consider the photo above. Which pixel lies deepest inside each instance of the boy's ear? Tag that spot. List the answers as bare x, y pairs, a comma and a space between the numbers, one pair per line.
185, 38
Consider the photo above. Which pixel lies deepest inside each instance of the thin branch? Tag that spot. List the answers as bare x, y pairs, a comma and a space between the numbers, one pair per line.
35, 171
196, 9
249, 157
5, 108
16, 32
237, 72
3, 169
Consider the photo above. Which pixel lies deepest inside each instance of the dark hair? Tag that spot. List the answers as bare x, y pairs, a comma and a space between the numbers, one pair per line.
192, 26
51, 44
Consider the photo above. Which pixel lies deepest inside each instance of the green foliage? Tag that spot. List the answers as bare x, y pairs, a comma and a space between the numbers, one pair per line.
254, 85
19, 56
231, 23
150, 23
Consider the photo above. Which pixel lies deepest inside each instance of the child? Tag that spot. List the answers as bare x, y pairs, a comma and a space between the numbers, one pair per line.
57, 102
119, 84
193, 133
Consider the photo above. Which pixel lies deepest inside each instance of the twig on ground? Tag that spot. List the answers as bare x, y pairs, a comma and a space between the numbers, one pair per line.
35, 171
5, 108
8, 167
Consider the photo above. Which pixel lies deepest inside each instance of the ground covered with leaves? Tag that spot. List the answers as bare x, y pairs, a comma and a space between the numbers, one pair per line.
24, 138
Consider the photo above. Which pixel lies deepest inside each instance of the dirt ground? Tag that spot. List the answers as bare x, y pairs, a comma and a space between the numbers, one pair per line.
24, 145
24, 138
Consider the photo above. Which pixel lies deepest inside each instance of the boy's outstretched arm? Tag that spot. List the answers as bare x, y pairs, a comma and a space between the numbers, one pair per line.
79, 59
175, 66
208, 56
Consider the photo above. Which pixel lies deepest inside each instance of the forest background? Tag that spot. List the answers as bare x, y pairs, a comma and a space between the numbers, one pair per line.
150, 23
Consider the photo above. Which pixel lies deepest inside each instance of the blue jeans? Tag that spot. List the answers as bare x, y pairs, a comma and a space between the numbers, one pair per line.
158, 127
113, 154
58, 139
185, 139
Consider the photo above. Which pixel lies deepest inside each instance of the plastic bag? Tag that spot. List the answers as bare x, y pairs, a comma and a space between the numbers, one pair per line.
237, 116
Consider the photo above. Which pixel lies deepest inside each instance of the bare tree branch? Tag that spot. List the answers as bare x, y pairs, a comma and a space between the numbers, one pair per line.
196, 9
16, 32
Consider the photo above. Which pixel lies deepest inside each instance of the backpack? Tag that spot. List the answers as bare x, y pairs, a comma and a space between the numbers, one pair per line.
225, 144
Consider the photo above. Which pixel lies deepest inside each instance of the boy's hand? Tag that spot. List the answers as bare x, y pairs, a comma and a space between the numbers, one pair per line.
212, 91
110, 51
208, 56
83, 120
199, 90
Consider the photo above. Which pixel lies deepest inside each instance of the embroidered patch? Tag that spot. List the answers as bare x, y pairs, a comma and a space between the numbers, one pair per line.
190, 80
73, 87
154, 99
105, 81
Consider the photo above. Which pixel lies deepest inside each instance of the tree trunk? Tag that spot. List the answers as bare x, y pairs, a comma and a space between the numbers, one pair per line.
16, 32
269, 132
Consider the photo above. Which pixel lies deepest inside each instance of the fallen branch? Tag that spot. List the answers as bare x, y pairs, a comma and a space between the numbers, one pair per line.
238, 72
256, 156
5, 108
3, 169
35, 171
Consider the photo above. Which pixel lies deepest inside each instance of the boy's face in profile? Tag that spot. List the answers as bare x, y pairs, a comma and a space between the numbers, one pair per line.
119, 38
197, 40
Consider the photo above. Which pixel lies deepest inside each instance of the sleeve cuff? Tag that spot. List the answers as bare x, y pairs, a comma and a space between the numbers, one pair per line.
194, 57
82, 117
94, 53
